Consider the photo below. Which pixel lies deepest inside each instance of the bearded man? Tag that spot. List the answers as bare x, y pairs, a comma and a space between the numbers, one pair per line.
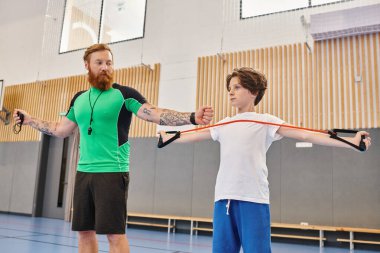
103, 116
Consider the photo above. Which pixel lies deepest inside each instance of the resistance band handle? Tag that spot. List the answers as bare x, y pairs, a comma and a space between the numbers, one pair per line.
162, 144
348, 131
17, 126
333, 134
21, 116
362, 146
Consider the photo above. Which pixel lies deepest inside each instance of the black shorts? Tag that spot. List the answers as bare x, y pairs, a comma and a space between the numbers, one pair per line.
100, 202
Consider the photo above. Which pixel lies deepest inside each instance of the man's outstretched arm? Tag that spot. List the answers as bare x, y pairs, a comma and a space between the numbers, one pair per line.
151, 113
62, 129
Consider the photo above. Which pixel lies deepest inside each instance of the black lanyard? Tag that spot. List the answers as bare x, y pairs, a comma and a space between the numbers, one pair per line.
89, 130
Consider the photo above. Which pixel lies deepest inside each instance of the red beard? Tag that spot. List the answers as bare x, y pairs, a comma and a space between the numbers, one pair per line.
103, 81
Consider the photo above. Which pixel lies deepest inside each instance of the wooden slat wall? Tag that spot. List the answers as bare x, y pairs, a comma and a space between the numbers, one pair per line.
47, 99
311, 89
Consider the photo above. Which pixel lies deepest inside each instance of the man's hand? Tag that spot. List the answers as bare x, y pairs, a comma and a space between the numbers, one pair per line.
204, 115
17, 119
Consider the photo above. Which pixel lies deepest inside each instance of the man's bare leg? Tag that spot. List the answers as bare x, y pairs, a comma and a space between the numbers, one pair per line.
118, 243
88, 242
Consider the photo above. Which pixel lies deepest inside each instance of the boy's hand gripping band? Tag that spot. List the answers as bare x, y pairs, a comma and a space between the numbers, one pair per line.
334, 134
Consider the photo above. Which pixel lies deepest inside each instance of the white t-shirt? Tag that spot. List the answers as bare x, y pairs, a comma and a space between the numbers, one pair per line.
243, 173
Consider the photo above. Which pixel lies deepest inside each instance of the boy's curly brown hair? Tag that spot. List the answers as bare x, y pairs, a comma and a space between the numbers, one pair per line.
250, 79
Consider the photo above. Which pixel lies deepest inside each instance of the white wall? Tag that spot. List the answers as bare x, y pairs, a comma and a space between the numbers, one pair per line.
177, 32
21, 33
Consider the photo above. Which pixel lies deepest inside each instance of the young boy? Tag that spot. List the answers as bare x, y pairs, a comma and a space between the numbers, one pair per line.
241, 209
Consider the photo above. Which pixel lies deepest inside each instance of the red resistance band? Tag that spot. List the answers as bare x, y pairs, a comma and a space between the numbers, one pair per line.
333, 133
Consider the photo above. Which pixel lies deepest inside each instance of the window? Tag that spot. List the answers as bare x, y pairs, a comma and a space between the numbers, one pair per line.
87, 22
1, 94
320, 2
252, 8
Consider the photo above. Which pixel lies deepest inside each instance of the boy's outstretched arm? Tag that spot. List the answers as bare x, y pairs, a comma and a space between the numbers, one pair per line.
324, 139
188, 137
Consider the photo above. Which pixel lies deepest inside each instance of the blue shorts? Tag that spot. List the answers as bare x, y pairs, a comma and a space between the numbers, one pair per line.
246, 225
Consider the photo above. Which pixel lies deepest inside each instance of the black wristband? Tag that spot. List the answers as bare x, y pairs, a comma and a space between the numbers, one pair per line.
192, 118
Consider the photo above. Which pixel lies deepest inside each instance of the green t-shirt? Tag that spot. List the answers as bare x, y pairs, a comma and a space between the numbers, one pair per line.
107, 148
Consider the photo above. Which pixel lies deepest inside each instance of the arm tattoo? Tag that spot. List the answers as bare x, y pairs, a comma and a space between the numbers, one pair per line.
146, 111
173, 118
44, 127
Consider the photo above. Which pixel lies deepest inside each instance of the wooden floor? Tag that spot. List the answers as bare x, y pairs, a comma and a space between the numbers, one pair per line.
21, 234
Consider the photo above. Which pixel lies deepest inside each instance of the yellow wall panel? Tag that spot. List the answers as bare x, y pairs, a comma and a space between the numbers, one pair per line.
336, 85
47, 99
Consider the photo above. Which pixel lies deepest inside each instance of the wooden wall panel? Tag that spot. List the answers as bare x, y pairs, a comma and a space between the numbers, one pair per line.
48, 99
336, 85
